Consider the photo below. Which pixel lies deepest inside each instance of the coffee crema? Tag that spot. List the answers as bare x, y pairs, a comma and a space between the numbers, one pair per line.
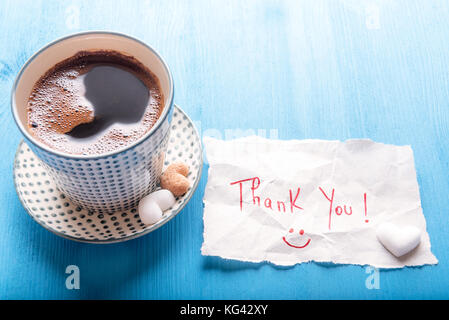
94, 102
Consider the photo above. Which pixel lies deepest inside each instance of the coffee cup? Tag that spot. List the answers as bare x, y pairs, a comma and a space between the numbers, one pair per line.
111, 181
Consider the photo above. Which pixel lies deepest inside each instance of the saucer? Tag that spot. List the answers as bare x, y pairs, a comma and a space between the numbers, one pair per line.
56, 213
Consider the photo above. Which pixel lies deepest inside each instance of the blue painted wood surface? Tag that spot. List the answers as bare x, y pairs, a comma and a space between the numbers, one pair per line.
306, 69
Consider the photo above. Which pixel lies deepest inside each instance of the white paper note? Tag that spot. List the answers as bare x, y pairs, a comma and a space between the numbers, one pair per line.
288, 202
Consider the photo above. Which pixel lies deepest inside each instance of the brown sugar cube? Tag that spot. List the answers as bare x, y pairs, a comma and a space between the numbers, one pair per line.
174, 178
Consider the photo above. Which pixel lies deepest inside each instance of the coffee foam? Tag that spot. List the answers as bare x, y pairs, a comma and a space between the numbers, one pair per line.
57, 105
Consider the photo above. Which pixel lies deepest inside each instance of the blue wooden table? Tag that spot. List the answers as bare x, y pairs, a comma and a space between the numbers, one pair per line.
285, 69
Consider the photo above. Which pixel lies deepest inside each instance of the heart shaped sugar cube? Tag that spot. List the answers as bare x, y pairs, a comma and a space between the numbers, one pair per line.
398, 240
151, 207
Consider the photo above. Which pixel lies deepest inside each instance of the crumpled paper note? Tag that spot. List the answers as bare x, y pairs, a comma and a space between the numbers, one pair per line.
288, 202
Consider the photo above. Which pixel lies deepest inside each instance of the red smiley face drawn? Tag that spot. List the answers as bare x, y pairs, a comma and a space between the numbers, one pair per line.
301, 233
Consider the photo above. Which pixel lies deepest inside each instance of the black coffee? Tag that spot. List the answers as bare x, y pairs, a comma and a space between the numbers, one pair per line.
94, 102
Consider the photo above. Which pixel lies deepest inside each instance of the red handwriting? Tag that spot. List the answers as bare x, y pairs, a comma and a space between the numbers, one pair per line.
366, 208
339, 210
253, 184
268, 202
295, 246
293, 201
331, 201
301, 233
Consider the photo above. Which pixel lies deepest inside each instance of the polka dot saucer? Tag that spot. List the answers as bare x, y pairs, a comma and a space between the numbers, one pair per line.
55, 212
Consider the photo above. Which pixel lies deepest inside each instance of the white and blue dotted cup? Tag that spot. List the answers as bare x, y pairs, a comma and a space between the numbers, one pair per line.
112, 181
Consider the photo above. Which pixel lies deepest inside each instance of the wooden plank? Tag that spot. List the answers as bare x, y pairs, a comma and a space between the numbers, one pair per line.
305, 69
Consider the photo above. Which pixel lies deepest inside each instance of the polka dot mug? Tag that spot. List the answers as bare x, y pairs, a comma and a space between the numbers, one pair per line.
112, 181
